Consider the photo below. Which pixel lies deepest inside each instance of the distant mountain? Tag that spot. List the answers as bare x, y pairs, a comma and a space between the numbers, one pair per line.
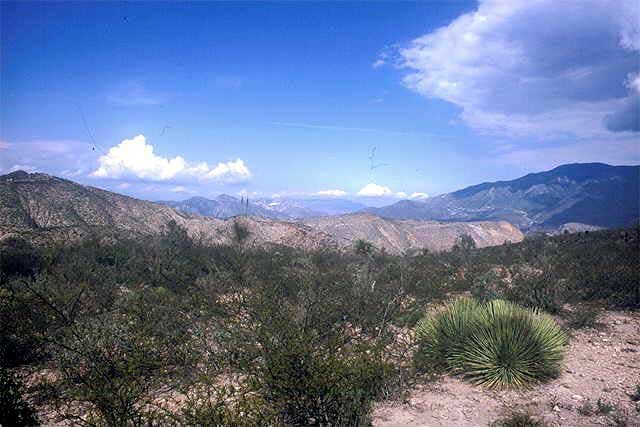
594, 194
45, 209
309, 208
225, 206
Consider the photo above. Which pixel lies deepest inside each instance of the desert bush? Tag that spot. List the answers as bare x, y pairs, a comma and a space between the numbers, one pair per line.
583, 316
240, 231
14, 409
319, 385
18, 258
118, 362
225, 406
604, 407
498, 344
363, 247
518, 419
464, 242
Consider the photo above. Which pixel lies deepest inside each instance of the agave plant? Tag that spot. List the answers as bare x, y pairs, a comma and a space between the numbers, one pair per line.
439, 336
498, 344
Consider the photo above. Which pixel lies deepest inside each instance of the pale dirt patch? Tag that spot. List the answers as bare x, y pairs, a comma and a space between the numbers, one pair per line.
600, 364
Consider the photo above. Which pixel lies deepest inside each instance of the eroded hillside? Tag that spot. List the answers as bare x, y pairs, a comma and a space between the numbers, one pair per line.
43, 208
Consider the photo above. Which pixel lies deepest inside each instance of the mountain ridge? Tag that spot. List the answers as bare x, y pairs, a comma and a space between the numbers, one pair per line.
596, 194
44, 208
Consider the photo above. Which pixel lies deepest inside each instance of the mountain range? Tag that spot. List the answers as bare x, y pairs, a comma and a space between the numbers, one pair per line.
225, 206
569, 198
593, 194
585, 196
44, 209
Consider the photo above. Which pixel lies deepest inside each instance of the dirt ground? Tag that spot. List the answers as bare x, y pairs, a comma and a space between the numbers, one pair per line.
601, 364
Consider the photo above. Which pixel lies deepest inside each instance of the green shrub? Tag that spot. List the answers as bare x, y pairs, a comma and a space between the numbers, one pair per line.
586, 408
604, 407
517, 419
117, 363
498, 344
363, 247
18, 258
14, 409
226, 406
240, 231
584, 316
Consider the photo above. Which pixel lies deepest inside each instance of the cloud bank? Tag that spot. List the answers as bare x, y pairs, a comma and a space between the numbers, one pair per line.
135, 158
539, 68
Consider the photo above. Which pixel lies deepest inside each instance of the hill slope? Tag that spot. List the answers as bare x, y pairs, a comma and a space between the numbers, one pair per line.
44, 208
591, 193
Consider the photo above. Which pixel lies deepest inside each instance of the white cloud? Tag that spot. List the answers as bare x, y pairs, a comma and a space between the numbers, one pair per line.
178, 189
235, 171
378, 63
418, 196
135, 158
4, 145
375, 190
332, 193
124, 185
534, 68
401, 195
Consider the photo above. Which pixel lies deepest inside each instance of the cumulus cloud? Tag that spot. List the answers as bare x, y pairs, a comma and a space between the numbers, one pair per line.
541, 68
332, 193
418, 196
375, 190
135, 158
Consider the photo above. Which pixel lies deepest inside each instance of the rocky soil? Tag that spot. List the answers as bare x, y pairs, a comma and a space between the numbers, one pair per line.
602, 364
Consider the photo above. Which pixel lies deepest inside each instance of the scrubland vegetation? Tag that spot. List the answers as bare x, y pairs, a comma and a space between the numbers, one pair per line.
167, 331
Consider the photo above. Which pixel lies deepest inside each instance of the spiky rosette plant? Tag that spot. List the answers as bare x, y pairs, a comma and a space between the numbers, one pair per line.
498, 344
445, 333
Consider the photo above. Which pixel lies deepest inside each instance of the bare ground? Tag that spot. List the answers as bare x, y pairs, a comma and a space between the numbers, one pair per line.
601, 364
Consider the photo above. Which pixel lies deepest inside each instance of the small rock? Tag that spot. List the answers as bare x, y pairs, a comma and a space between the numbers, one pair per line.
556, 408
577, 397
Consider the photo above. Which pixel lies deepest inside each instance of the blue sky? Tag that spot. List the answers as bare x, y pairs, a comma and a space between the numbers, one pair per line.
372, 101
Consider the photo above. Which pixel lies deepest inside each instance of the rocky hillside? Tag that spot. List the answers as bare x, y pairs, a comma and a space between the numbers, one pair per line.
398, 236
45, 208
593, 194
